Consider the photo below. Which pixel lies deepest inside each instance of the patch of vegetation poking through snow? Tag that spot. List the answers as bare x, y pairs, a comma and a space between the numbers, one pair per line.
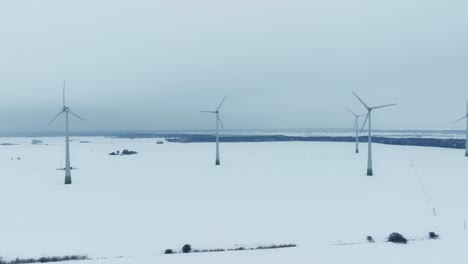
272, 247
433, 235
124, 152
393, 238
397, 238
169, 251
186, 250
45, 259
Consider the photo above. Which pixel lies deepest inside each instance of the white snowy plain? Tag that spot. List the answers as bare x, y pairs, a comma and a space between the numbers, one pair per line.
129, 209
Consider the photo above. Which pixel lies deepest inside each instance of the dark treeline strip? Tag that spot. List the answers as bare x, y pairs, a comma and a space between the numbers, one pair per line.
423, 142
45, 259
215, 250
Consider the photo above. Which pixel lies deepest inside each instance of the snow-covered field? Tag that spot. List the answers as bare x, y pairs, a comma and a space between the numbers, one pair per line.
313, 194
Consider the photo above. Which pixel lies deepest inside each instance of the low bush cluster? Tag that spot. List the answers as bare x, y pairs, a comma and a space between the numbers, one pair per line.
123, 153
400, 239
433, 235
209, 250
275, 246
397, 238
188, 249
45, 259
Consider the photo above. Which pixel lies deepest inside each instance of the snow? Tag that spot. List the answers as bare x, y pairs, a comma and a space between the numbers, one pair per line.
310, 193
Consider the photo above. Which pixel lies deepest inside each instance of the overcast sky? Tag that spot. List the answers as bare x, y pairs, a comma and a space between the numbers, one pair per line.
153, 65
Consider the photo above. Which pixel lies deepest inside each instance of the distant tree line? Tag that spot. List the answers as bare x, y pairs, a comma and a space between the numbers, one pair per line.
422, 142
45, 259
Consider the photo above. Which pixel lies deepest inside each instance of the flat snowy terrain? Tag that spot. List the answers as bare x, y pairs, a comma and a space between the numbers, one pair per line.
315, 195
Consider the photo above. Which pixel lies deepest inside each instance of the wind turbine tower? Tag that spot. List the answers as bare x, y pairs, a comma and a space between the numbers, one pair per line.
66, 110
356, 127
218, 122
465, 117
368, 117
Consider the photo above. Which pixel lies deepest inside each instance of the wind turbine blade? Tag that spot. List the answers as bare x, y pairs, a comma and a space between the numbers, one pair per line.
355, 124
351, 112
382, 106
365, 121
360, 100
63, 93
211, 112
221, 122
459, 120
221, 103
76, 115
55, 117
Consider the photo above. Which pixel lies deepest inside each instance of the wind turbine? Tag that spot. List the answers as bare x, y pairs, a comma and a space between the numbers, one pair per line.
465, 117
368, 117
356, 127
218, 122
65, 110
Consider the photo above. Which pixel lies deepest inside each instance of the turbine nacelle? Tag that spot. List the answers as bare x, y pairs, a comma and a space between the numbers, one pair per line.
65, 109
355, 115
369, 109
217, 113
211, 112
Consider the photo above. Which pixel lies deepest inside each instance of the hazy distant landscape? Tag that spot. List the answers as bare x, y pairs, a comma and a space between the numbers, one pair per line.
429, 138
328, 132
